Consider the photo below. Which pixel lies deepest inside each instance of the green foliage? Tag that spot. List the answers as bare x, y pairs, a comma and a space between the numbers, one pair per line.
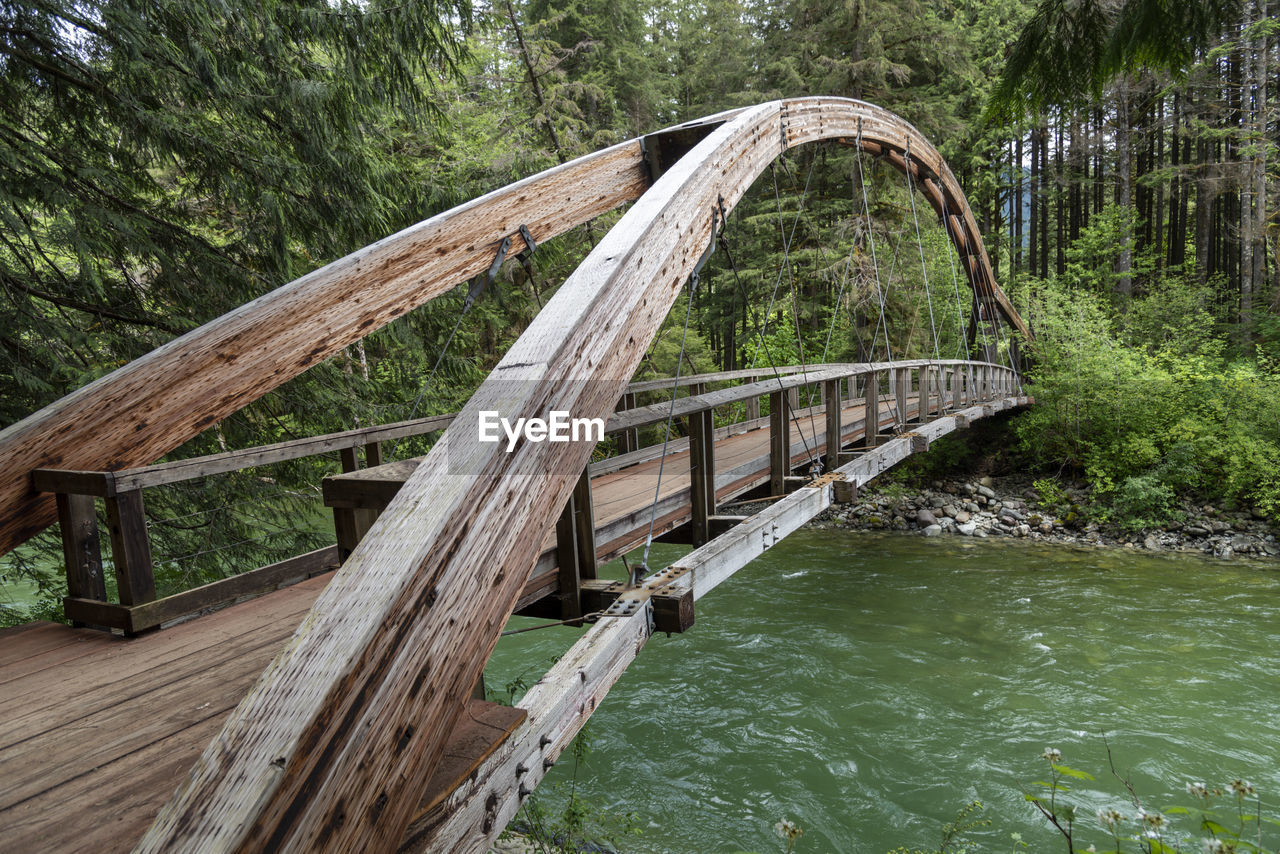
954, 834
1071, 48
1217, 820
1146, 400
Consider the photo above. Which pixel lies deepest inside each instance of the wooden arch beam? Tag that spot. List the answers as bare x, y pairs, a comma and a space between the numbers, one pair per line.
333, 746
124, 420
142, 411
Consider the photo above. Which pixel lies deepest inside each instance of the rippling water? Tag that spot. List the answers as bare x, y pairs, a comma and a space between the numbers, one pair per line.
868, 686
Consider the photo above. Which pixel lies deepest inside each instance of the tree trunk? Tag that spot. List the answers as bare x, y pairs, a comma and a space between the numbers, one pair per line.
1124, 153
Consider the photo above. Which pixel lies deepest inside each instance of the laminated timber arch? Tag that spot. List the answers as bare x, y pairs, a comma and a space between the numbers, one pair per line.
144, 410
334, 745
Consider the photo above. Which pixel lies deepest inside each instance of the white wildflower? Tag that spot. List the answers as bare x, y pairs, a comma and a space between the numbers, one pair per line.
788, 830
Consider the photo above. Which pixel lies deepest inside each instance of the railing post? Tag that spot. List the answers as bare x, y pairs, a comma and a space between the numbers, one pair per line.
753, 407
575, 546
350, 524
372, 454
630, 438
81, 549
901, 380
130, 548
871, 409
957, 376
779, 441
702, 474
831, 401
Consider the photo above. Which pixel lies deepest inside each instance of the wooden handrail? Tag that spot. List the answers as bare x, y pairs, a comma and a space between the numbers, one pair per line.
107, 484
656, 413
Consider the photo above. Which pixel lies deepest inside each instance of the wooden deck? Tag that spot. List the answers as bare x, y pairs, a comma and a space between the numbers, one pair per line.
623, 487
98, 731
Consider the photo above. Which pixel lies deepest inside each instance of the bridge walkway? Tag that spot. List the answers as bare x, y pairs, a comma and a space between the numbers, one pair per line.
96, 731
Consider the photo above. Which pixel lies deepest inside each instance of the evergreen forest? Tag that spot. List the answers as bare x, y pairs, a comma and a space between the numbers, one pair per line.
166, 162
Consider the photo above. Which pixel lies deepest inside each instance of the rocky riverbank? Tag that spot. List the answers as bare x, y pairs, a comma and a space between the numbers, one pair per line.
1008, 507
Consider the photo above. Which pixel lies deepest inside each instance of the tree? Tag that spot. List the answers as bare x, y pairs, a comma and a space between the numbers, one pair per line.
165, 162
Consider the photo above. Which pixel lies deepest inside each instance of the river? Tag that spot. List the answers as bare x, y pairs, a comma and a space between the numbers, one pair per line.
868, 686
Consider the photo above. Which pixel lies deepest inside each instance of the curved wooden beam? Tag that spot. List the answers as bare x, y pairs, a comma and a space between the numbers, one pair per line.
138, 413
121, 421
332, 748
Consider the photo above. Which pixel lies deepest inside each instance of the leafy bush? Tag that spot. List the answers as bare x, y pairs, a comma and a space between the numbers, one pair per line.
1150, 420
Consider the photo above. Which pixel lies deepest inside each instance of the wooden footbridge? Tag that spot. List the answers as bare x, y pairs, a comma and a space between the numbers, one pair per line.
337, 711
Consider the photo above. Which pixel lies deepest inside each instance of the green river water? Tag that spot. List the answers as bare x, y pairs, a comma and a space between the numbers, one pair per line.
869, 686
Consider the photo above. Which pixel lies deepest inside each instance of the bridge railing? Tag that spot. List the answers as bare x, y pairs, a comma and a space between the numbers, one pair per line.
921, 388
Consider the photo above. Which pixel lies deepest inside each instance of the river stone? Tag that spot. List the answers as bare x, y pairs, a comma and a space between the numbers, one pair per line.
987, 481
1046, 527
986, 491
933, 530
971, 507
950, 510
1196, 531
1222, 551
925, 518
961, 516
1242, 543
1151, 543
1022, 530
967, 528
1220, 526
937, 502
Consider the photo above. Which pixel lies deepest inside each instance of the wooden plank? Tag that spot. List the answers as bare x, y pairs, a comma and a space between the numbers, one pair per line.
130, 548
567, 562
33, 647
702, 474
832, 408
779, 441
718, 376
480, 732
629, 439
101, 484
332, 746
584, 525
871, 404
177, 471
81, 551
900, 378
223, 591
60, 695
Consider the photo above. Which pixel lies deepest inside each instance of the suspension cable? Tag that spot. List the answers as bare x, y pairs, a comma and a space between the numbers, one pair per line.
866, 207
953, 254
638, 574
924, 269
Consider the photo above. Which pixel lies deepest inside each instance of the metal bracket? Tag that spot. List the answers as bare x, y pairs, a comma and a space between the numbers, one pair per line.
829, 477
479, 283
530, 246
672, 606
711, 248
